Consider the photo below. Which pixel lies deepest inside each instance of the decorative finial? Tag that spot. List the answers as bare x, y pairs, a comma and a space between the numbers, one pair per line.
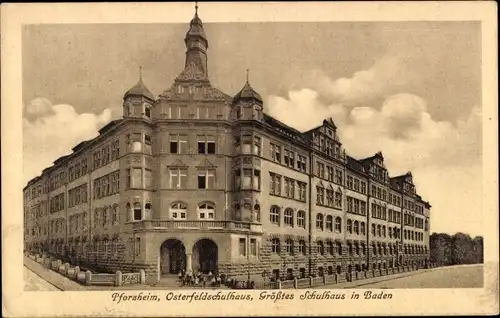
196, 7
248, 71
140, 72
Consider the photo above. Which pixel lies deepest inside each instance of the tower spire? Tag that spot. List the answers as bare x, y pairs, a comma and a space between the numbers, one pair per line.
248, 71
196, 8
140, 72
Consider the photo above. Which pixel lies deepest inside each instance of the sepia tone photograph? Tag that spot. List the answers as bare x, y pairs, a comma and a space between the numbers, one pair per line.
286, 158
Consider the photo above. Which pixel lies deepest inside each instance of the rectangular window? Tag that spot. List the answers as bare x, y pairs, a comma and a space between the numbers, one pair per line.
275, 152
178, 178
178, 144
289, 158
247, 179
148, 179
242, 247
206, 179
275, 184
136, 178
206, 144
256, 145
137, 246
253, 247
302, 190
301, 163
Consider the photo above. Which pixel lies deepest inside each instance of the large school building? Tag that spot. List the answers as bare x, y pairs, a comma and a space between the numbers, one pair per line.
199, 180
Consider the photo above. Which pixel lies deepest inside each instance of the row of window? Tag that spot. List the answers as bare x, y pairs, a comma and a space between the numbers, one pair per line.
355, 184
57, 226
247, 179
244, 249
109, 215
182, 111
56, 180
179, 144
107, 185
292, 189
247, 144
290, 158
77, 169
178, 178
206, 211
288, 217
379, 212
57, 203
333, 198
78, 222
77, 196
139, 142
106, 154
356, 206
335, 175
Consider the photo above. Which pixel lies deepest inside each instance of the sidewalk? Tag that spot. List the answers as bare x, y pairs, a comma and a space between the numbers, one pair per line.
52, 277
367, 281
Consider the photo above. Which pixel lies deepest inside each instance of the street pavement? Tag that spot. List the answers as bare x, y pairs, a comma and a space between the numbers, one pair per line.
468, 276
33, 282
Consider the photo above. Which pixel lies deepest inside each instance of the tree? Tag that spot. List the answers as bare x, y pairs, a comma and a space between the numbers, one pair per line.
457, 249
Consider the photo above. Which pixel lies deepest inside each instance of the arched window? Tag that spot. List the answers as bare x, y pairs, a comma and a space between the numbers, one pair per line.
338, 224
247, 210
206, 211
339, 248
405, 234
329, 223
275, 245
379, 230
319, 221
349, 226
137, 211
289, 246
374, 249
356, 227
373, 230
321, 248
390, 232
349, 248
147, 207
288, 217
274, 215
383, 231
356, 248
178, 211
362, 228
301, 219
363, 249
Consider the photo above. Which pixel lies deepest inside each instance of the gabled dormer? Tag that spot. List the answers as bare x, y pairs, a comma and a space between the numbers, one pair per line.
404, 183
325, 139
376, 167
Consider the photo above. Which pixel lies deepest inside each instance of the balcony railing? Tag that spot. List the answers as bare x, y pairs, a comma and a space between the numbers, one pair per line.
196, 225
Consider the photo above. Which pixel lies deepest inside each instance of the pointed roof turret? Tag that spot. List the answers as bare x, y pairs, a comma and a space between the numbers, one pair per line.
247, 93
139, 89
196, 27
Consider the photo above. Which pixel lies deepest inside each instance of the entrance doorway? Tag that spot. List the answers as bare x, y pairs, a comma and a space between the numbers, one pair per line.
173, 257
205, 256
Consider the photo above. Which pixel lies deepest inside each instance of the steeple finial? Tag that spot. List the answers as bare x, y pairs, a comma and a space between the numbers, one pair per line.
248, 71
196, 8
140, 72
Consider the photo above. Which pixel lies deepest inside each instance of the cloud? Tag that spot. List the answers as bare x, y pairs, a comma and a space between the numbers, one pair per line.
443, 155
386, 76
51, 131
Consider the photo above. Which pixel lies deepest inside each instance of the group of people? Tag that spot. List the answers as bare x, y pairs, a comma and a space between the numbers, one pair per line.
199, 279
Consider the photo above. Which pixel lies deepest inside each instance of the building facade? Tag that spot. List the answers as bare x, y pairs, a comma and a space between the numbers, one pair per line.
196, 179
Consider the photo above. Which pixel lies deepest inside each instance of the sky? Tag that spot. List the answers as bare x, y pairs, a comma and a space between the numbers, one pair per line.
409, 89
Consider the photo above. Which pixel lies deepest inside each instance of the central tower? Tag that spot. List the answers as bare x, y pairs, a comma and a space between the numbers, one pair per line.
196, 45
